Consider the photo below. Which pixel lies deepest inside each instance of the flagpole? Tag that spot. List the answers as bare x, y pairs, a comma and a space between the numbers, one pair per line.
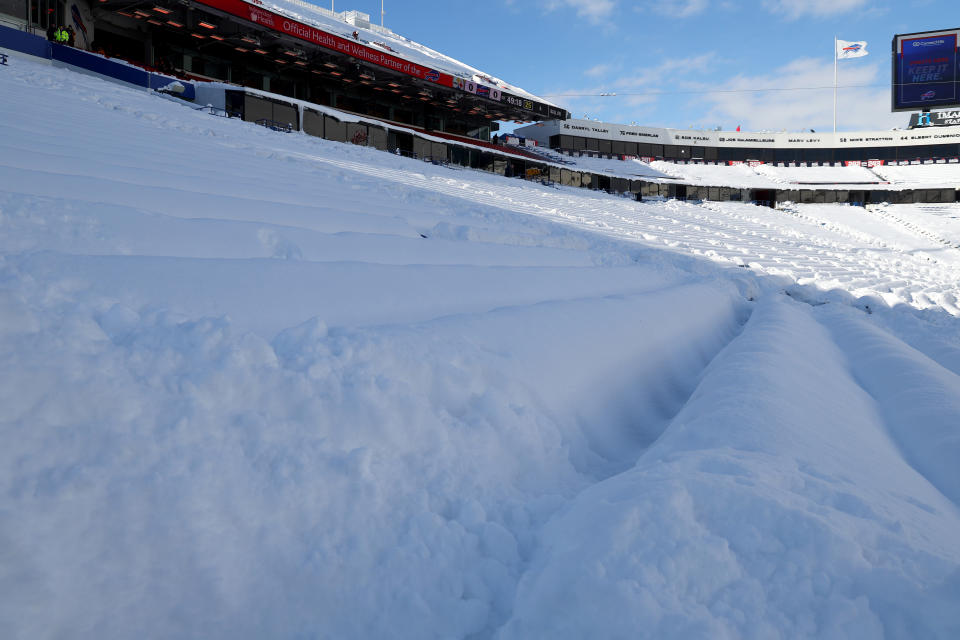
835, 84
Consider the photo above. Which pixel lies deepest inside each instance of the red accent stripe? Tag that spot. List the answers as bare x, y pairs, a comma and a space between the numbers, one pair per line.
288, 26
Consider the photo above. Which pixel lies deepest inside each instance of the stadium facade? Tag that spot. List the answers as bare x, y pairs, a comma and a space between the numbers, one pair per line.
293, 49
609, 139
426, 85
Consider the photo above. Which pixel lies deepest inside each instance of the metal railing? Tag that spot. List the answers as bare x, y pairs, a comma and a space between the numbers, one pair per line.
13, 23
217, 111
283, 127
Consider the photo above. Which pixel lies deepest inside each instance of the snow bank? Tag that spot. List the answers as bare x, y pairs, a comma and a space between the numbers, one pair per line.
774, 506
263, 385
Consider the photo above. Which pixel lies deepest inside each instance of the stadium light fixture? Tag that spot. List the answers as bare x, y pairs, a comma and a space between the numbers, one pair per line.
156, 22
241, 49
214, 36
206, 25
261, 51
174, 23
161, 10
249, 40
198, 36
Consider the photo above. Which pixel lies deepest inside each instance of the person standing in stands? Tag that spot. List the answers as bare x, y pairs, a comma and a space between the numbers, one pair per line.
71, 36
52, 32
61, 36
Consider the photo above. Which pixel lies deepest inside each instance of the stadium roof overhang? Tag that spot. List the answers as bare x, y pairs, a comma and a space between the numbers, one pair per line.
239, 28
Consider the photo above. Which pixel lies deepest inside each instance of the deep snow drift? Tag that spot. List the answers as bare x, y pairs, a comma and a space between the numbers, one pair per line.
263, 385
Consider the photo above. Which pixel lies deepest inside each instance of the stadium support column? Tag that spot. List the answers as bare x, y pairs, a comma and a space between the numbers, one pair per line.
148, 52
835, 71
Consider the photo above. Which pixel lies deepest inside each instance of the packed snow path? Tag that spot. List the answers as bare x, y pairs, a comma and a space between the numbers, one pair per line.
263, 385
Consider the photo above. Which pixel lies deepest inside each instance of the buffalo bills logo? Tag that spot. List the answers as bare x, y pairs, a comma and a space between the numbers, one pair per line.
432, 76
853, 48
929, 95
78, 21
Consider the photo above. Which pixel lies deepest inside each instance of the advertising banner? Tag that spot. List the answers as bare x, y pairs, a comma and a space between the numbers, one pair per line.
936, 119
277, 22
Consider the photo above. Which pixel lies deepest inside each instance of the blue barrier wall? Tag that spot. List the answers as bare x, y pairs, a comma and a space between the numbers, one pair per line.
30, 44
158, 81
24, 42
102, 66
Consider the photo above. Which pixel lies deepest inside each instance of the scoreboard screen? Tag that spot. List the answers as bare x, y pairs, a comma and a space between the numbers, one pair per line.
926, 70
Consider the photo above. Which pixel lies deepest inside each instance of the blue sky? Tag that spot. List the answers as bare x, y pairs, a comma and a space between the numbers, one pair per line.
571, 50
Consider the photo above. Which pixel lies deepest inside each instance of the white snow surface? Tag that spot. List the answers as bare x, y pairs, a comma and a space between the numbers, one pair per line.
770, 176
256, 384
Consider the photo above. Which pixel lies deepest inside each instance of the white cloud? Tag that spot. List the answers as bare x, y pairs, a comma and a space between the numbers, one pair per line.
794, 9
592, 10
632, 94
859, 107
669, 68
681, 8
598, 70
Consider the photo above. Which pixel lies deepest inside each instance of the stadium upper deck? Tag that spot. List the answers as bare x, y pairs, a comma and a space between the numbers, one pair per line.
298, 50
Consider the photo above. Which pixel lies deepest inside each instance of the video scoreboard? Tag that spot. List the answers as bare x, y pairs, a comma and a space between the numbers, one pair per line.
926, 70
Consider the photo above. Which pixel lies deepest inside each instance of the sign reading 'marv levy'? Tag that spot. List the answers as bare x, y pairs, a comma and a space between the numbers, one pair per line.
925, 70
